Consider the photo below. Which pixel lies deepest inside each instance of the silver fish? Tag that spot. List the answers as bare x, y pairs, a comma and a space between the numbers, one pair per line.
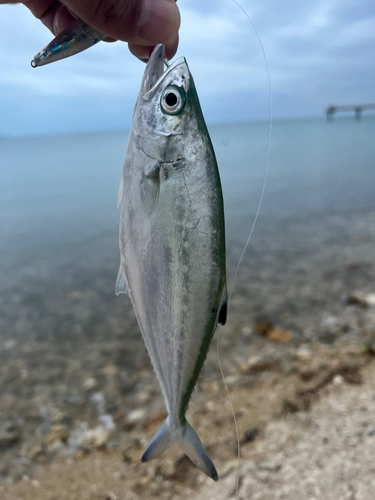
172, 243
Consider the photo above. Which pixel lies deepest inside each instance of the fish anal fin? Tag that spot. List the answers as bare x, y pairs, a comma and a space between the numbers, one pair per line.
223, 307
121, 285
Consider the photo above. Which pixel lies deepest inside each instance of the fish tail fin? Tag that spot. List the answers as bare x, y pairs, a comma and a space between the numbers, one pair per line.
189, 441
159, 443
194, 449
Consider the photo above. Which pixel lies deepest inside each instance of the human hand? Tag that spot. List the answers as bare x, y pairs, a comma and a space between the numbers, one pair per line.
141, 23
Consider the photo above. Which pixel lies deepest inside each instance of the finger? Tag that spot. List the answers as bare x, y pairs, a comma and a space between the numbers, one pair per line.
44, 10
143, 53
141, 22
63, 17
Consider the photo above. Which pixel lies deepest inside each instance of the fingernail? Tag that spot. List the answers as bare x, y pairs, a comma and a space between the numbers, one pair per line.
159, 21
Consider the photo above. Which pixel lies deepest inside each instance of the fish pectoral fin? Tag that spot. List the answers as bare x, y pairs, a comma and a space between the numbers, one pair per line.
121, 285
223, 307
120, 190
150, 189
186, 438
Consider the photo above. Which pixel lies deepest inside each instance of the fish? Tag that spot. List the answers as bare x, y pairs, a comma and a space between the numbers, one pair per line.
172, 243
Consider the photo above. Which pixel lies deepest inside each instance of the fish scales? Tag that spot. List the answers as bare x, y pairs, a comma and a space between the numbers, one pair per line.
172, 242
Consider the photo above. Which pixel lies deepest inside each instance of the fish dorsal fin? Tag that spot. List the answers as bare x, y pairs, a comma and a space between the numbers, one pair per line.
120, 190
223, 307
121, 285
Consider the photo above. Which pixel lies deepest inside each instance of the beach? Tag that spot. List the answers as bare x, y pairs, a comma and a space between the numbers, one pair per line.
79, 400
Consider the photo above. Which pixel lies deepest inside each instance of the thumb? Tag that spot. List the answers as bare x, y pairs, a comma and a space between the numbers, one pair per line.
141, 22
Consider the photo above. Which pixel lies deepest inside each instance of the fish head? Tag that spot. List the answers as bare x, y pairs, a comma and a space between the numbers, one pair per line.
165, 108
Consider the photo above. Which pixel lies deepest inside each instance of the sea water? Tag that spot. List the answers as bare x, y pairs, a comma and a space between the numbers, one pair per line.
58, 193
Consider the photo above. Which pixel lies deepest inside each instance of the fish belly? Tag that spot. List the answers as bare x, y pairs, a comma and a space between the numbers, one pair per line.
172, 254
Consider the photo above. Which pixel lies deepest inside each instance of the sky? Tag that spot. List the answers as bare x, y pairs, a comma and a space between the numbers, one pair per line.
318, 52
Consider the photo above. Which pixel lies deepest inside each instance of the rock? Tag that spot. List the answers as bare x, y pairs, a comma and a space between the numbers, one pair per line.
79, 456
36, 451
370, 299
110, 370
89, 384
289, 406
279, 335
55, 447
134, 417
330, 327
263, 326
74, 400
338, 380
358, 298
10, 433
110, 496
108, 422
57, 433
98, 400
9, 438
10, 344
246, 330
144, 397
257, 364
96, 438
303, 354
307, 375
84, 439
250, 435
231, 380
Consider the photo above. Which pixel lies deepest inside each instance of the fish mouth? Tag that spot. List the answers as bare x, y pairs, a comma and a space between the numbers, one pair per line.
154, 73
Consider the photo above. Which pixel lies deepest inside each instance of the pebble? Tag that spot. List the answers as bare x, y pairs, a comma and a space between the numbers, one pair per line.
231, 380
370, 299
107, 420
96, 438
36, 451
98, 400
135, 416
55, 447
258, 364
9, 438
303, 354
279, 335
89, 384
331, 324
338, 380
57, 433
361, 298
246, 330
144, 397
110, 370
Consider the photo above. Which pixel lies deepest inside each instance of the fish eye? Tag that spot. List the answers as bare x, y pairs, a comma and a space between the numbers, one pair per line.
172, 100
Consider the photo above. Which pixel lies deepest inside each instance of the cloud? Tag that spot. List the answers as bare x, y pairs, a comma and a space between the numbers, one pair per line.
318, 53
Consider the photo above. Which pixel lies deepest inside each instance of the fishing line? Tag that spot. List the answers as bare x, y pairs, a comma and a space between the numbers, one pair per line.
248, 240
